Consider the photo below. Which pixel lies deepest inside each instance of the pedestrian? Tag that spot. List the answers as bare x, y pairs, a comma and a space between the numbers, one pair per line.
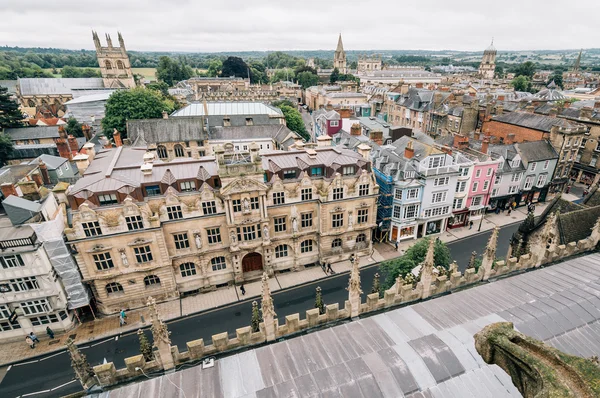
30, 342
470, 224
34, 337
568, 189
49, 332
396, 245
514, 205
509, 211
585, 192
122, 318
329, 269
243, 289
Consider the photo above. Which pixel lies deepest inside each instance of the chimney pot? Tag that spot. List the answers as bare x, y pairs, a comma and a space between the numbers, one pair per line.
409, 151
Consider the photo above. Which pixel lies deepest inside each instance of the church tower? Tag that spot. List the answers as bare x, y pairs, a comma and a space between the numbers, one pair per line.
339, 58
114, 63
488, 63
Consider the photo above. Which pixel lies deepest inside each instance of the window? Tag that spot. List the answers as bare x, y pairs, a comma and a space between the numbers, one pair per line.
24, 284
237, 205
181, 241
494, 192
411, 211
103, 261
174, 212
489, 172
463, 171
306, 246
498, 179
120, 65
338, 193
398, 194
114, 287
4, 311
438, 197
461, 186
280, 225
12, 261
435, 161
214, 235
143, 254
316, 171
151, 280
568, 142
281, 251
218, 263
107, 64
337, 242
289, 174
249, 232
152, 190
513, 189
515, 163
254, 203
337, 220
440, 181
362, 216
187, 186
187, 269
541, 180
43, 320
486, 185
546, 164
134, 222
278, 198
396, 212
348, 170
475, 186
476, 201
209, 208
578, 157
179, 152
528, 182
361, 238
60, 171
516, 177
583, 142
532, 166
35, 307
161, 151
413, 193
438, 211
334, 123
307, 220
409, 174
107, 199
594, 161
478, 173
457, 204
307, 194
363, 190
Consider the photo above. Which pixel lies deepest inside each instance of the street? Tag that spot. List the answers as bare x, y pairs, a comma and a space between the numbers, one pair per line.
53, 371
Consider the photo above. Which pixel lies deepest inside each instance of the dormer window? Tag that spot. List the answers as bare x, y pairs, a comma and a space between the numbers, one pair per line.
249, 121
515, 163
289, 174
227, 121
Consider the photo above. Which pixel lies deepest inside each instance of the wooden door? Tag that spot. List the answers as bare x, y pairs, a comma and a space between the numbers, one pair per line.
252, 262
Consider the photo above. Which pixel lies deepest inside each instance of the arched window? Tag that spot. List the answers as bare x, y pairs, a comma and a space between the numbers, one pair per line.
107, 64
179, 152
337, 242
114, 287
31, 103
161, 151
306, 246
187, 269
151, 280
361, 238
281, 251
120, 64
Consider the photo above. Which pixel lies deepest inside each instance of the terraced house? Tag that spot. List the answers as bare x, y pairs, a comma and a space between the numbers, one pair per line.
143, 226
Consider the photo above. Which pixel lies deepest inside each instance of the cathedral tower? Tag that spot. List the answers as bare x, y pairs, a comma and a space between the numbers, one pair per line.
339, 58
488, 63
114, 63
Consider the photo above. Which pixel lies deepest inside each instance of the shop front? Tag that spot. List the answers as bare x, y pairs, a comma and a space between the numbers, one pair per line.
431, 227
403, 232
458, 219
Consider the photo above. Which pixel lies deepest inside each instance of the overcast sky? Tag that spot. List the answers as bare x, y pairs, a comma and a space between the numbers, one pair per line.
244, 25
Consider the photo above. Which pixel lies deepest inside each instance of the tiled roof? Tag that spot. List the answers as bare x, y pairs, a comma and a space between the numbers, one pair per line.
535, 151
175, 129
535, 122
31, 133
326, 156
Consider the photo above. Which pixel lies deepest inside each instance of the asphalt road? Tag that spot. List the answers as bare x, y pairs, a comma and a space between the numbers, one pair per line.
52, 376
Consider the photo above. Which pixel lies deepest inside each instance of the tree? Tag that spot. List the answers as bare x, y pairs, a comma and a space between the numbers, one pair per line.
71, 71
161, 87
173, 71
305, 68
258, 72
394, 268
319, 301
307, 79
6, 148
294, 121
376, 288
256, 317
347, 77
135, 103
145, 347
10, 115
334, 75
526, 69
499, 72
214, 68
557, 78
234, 66
73, 128
521, 83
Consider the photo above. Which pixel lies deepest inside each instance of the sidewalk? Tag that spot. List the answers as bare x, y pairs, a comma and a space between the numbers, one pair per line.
108, 327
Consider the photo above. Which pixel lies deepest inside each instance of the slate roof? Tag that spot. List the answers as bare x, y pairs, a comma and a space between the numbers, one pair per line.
11, 85
327, 156
30, 133
173, 129
228, 108
52, 162
425, 350
578, 224
40, 86
14, 173
535, 122
19, 209
534, 151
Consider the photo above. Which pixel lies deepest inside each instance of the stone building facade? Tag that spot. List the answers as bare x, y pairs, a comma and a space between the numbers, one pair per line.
487, 68
114, 63
144, 227
339, 57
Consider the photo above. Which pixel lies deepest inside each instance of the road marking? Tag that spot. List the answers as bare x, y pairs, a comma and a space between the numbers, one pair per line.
9, 368
26, 363
35, 393
101, 342
117, 338
62, 385
58, 353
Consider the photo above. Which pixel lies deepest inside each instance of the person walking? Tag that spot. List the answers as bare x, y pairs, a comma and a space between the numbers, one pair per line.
329, 269
30, 342
243, 289
122, 318
34, 337
396, 245
49, 332
509, 211
470, 224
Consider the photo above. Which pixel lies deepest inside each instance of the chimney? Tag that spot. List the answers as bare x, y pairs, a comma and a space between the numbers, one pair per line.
437, 99
165, 115
530, 109
61, 132
484, 145
566, 104
30, 190
419, 85
447, 150
73, 145
476, 135
510, 139
404, 89
365, 151
355, 129
63, 148
86, 131
376, 137
82, 161
460, 141
311, 153
586, 112
324, 140
553, 112
117, 137
597, 103
8, 189
500, 98
409, 151
90, 150
37, 177
44, 172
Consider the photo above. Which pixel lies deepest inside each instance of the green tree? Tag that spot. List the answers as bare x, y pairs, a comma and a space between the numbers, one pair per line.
6, 148
557, 78
136, 103
234, 66
319, 301
214, 68
258, 72
71, 71
294, 121
73, 128
172, 71
161, 87
307, 79
526, 69
334, 75
376, 288
499, 72
394, 268
521, 83
145, 347
10, 115
256, 317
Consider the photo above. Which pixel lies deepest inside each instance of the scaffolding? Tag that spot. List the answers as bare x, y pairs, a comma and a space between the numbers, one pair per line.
385, 203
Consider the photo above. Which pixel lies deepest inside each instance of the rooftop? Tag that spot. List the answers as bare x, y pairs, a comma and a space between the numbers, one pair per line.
31, 133
38, 86
229, 109
535, 122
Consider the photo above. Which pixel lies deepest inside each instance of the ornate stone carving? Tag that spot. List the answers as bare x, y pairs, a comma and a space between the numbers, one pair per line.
426, 276
198, 240
123, 256
354, 290
83, 370
295, 225
111, 217
160, 335
490, 254
268, 309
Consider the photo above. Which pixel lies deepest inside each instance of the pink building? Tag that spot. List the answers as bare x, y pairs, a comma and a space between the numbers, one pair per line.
482, 180
329, 122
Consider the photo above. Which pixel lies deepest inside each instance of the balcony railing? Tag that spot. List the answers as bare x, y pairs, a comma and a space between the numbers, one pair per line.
9, 243
438, 170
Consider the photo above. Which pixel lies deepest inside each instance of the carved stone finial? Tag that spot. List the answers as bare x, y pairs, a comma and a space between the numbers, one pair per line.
83, 370
472, 260
427, 268
354, 290
268, 310
490, 254
160, 335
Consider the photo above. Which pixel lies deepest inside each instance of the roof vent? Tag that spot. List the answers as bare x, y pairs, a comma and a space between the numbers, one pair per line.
146, 169
311, 153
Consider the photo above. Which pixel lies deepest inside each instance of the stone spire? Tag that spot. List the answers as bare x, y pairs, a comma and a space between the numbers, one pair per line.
546, 238
340, 45
354, 290
577, 64
268, 309
160, 336
427, 269
79, 363
490, 255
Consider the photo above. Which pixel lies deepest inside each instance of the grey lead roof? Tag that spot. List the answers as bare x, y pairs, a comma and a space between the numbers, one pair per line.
423, 350
39, 86
30, 133
535, 151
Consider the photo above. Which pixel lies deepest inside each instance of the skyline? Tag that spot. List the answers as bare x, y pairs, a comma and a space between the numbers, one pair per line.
236, 26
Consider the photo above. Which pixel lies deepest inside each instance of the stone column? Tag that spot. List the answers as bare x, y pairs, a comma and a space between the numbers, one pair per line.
160, 335
490, 255
427, 270
79, 363
354, 290
268, 310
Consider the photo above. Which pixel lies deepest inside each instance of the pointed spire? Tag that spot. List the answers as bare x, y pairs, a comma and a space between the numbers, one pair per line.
490, 254
108, 40
267, 306
427, 267
577, 62
354, 290
160, 336
340, 45
83, 370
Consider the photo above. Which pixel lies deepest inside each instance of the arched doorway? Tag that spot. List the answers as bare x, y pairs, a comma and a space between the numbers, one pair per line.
252, 262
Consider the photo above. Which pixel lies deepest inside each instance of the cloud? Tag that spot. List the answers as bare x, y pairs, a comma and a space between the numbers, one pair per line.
236, 25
